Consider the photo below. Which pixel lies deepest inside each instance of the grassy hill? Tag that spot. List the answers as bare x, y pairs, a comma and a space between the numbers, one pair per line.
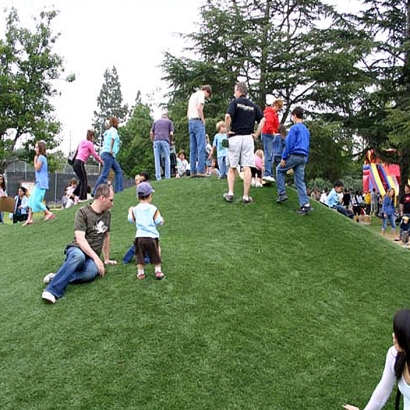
261, 309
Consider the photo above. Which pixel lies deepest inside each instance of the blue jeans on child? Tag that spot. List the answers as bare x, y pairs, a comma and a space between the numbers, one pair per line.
297, 163
392, 220
110, 162
223, 169
77, 268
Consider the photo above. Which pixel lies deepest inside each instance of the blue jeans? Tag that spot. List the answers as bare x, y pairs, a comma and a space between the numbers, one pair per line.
341, 209
130, 254
267, 140
77, 268
110, 162
297, 163
197, 146
162, 146
392, 220
223, 169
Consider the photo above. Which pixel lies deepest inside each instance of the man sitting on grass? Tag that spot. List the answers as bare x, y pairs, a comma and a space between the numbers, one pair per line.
332, 200
91, 238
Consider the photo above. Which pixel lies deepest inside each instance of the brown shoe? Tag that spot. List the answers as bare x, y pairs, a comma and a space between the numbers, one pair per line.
192, 176
202, 175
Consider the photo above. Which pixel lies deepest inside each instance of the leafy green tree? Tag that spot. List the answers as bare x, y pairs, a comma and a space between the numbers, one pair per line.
281, 47
28, 67
383, 121
136, 152
110, 102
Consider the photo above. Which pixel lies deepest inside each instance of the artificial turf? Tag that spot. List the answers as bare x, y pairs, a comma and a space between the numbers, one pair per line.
261, 309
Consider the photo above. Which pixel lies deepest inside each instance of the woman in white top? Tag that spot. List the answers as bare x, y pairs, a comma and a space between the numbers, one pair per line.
396, 368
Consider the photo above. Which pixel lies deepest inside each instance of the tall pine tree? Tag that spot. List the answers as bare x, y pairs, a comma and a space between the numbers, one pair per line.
110, 102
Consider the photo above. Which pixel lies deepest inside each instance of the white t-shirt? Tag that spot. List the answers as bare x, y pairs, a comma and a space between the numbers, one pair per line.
386, 384
195, 100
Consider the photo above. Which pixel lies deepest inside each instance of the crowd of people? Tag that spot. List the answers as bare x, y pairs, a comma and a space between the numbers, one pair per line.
87, 256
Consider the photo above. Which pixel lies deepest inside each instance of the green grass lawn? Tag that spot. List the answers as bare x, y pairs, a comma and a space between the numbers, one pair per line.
261, 309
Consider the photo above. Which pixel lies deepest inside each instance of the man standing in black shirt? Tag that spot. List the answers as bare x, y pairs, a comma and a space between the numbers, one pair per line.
240, 119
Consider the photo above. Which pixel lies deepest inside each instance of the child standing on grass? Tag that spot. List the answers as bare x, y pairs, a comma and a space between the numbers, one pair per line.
143, 177
220, 149
146, 218
35, 202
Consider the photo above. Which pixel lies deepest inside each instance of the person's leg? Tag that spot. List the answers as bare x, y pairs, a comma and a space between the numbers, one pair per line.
247, 177
384, 225
299, 178
193, 148
222, 167
117, 176
393, 223
167, 161
157, 159
280, 180
74, 261
201, 144
88, 272
231, 180
102, 179
81, 189
267, 141
129, 255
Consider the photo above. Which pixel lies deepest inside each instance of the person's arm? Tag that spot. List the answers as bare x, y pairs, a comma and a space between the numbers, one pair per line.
211, 154
151, 133
106, 250
259, 129
383, 390
158, 219
86, 248
37, 163
95, 155
201, 112
131, 216
228, 121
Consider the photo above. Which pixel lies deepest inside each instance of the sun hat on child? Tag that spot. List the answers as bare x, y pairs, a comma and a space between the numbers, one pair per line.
144, 189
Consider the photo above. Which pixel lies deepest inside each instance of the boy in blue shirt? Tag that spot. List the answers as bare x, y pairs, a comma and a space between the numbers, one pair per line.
146, 218
220, 149
332, 200
295, 156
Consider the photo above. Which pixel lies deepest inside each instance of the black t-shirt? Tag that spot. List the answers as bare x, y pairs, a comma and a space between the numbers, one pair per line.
405, 201
244, 113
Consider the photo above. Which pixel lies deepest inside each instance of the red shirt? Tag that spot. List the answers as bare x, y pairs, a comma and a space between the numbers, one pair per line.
271, 121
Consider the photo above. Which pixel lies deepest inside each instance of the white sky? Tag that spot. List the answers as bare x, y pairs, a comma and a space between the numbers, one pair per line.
97, 34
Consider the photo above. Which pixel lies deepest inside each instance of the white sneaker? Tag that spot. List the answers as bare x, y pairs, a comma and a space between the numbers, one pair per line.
48, 278
258, 185
253, 182
48, 297
268, 178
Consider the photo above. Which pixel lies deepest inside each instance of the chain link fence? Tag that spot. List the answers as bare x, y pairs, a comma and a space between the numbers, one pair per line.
20, 173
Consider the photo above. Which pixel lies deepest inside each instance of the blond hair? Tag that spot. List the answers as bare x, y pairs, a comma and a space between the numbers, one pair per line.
259, 153
220, 124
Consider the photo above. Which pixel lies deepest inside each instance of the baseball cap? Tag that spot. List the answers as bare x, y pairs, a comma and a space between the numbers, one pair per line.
144, 189
270, 99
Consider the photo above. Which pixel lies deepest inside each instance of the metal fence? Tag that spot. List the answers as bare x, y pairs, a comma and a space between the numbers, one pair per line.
20, 173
